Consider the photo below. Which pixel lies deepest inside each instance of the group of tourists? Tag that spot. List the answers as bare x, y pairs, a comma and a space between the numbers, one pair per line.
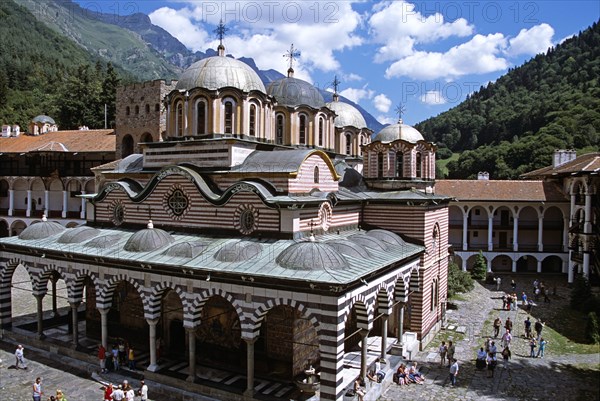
125, 392
38, 392
408, 374
121, 354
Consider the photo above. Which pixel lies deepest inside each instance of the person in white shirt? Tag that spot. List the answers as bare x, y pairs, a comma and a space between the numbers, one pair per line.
19, 356
129, 393
144, 391
118, 394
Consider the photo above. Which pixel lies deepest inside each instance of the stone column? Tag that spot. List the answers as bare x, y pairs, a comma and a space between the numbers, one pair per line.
384, 336
47, 202
539, 266
40, 316
153, 367
28, 211
54, 306
490, 229
191, 332
75, 320
587, 229
11, 202
249, 366
540, 232
516, 234
186, 110
570, 268
489, 264
514, 265
104, 326
464, 264
83, 206
586, 265
364, 346
64, 204
565, 238
465, 233
168, 120
401, 324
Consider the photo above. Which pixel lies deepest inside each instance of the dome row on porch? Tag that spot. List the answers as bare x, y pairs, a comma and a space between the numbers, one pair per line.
41, 230
148, 239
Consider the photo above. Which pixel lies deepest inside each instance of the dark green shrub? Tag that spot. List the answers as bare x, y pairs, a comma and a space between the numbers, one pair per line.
592, 328
479, 271
458, 280
580, 293
443, 153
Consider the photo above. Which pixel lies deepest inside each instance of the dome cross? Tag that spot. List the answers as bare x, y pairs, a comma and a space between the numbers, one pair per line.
291, 55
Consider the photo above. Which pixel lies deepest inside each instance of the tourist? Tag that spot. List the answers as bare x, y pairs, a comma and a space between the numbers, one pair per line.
115, 357
122, 354
131, 358
498, 281
527, 327
514, 300
513, 285
102, 358
523, 299
497, 324
542, 348
536, 284
506, 354
453, 372
442, 351
506, 338
532, 345
129, 393
19, 356
508, 325
143, 392
493, 348
539, 326
359, 390
37, 389
480, 362
451, 351
118, 394
491, 363
504, 300
60, 396
400, 377
108, 390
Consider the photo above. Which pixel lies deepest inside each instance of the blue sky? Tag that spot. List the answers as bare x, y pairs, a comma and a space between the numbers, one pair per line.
427, 55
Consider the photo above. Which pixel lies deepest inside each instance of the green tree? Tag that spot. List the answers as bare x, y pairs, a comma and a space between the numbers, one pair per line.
479, 271
108, 94
592, 328
580, 293
458, 280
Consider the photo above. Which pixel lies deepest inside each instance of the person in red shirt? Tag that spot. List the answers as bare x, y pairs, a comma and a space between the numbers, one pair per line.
102, 358
108, 390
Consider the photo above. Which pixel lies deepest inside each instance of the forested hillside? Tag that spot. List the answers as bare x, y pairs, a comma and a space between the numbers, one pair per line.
42, 72
513, 125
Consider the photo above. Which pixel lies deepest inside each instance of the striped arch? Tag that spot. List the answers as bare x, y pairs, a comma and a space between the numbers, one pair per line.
262, 311
402, 288
105, 296
384, 300
76, 285
364, 312
415, 280
195, 307
6, 274
156, 296
39, 284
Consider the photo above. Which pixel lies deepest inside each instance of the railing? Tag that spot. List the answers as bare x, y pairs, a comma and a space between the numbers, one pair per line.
553, 248
528, 247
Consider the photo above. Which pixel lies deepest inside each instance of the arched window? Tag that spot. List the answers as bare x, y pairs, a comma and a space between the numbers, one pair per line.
316, 174
348, 144
399, 164
321, 130
279, 127
147, 109
127, 110
157, 107
201, 117
179, 119
137, 109
252, 129
127, 146
302, 135
432, 307
229, 117
419, 165
379, 165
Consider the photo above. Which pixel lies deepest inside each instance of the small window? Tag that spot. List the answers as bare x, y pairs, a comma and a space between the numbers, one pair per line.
379, 165
137, 109
179, 119
127, 110
419, 165
477, 212
321, 129
229, 117
399, 164
279, 130
316, 174
475, 234
157, 107
147, 109
252, 120
348, 144
302, 135
201, 118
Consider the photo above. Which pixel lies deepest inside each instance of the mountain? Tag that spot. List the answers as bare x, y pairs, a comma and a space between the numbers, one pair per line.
108, 40
513, 125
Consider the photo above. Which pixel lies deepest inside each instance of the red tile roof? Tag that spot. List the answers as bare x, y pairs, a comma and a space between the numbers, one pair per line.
500, 190
100, 140
588, 163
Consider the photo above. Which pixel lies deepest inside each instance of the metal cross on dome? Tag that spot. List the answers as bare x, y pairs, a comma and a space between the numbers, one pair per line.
400, 110
220, 31
292, 54
336, 83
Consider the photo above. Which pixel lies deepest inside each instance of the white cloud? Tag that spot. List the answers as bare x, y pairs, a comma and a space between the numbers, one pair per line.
352, 77
386, 119
179, 24
477, 56
433, 98
382, 103
531, 41
357, 94
398, 26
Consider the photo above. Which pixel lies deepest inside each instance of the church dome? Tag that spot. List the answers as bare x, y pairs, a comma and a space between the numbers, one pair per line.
386, 236
188, 249
148, 239
293, 92
78, 234
238, 251
347, 115
43, 119
349, 248
310, 255
368, 242
218, 72
398, 131
40, 230
104, 241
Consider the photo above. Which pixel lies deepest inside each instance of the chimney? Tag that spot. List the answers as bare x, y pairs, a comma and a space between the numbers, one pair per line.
562, 156
483, 175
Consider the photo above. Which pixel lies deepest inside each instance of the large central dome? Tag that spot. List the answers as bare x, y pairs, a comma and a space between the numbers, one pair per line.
347, 115
218, 72
398, 131
294, 92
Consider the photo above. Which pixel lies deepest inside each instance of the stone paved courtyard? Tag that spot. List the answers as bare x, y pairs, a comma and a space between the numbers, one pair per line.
555, 377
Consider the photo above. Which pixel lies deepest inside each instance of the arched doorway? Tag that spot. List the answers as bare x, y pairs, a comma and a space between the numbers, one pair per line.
526, 263
126, 146
126, 316
4, 232
171, 330
502, 263
17, 227
552, 264
23, 303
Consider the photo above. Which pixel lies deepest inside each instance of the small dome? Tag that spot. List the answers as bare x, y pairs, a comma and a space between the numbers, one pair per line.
148, 239
238, 251
349, 248
293, 92
218, 72
368, 242
78, 234
40, 230
104, 242
309, 255
347, 115
387, 236
186, 249
398, 131
43, 119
